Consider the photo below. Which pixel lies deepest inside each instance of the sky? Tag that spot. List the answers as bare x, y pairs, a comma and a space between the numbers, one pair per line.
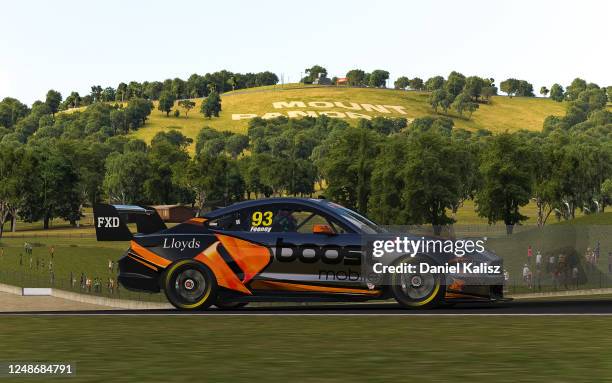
72, 45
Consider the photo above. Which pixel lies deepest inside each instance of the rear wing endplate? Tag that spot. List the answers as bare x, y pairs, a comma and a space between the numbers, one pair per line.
111, 221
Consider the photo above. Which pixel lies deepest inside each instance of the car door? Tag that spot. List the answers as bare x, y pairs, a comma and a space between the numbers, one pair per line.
300, 255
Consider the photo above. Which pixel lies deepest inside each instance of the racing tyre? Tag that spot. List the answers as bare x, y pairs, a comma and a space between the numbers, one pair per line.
416, 290
230, 305
190, 285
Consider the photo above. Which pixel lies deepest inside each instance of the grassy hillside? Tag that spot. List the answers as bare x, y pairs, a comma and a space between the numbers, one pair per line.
503, 113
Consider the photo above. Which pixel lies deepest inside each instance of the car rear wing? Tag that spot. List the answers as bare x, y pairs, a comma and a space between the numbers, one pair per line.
111, 221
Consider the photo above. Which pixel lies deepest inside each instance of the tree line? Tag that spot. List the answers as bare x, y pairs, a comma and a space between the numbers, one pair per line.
397, 173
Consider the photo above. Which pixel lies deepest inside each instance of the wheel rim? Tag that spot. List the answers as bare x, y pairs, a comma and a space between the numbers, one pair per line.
190, 285
417, 286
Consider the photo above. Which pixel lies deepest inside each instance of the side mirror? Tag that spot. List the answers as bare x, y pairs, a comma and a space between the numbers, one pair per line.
322, 229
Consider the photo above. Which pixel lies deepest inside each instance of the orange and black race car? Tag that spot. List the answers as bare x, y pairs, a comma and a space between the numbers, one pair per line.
278, 249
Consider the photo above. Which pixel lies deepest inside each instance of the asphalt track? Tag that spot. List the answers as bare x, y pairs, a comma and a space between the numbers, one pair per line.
524, 307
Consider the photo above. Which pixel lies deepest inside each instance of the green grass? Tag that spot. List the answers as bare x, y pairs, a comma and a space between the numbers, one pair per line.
74, 255
316, 349
503, 113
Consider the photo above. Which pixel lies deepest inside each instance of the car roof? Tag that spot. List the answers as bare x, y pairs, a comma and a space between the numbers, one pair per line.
312, 202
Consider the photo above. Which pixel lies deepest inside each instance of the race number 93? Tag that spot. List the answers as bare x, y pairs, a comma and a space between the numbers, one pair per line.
261, 218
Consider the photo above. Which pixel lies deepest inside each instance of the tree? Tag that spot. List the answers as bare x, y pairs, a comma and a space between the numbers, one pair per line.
525, 89
378, 78
439, 98
53, 100
108, 94
236, 144
557, 93
10, 183
434, 83
211, 106
125, 177
11, 111
348, 164
96, 93
575, 88
473, 86
168, 149
544, 91
166, 102
356, 77
416, 84
187, 105
454, 84
137, 111
122, 92
53, 184
313, 73
463, 102
231, 82
402, 82
488, 91
509, 86
505, 172
210, 178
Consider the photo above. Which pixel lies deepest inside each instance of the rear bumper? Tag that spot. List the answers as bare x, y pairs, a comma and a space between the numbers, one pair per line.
133, 275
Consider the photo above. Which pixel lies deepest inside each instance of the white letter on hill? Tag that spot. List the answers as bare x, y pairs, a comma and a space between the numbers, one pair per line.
244, 116
354, 105
375, 108
268, 116
290, 104
299, 113
321, 104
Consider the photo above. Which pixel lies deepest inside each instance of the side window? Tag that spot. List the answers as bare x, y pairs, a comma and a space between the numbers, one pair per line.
260, 219
287, 219
229, 222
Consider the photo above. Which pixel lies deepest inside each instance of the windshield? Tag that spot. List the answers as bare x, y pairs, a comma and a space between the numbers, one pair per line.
364, 224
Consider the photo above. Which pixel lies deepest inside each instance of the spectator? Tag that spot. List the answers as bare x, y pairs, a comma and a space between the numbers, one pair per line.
52, 251
527, 275
550, 267
575, 277
597, 251
110, 266
538, 260
529, 254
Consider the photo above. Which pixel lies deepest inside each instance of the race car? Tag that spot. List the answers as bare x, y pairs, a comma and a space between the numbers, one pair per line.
277, 249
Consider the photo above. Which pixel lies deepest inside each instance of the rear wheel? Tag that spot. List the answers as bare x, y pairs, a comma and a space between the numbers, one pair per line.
190, 285
417, 290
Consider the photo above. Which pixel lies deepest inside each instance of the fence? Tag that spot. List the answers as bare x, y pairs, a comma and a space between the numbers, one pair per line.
64, 282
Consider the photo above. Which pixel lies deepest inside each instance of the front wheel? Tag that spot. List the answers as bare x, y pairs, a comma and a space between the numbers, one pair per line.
417, 290
190, 285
